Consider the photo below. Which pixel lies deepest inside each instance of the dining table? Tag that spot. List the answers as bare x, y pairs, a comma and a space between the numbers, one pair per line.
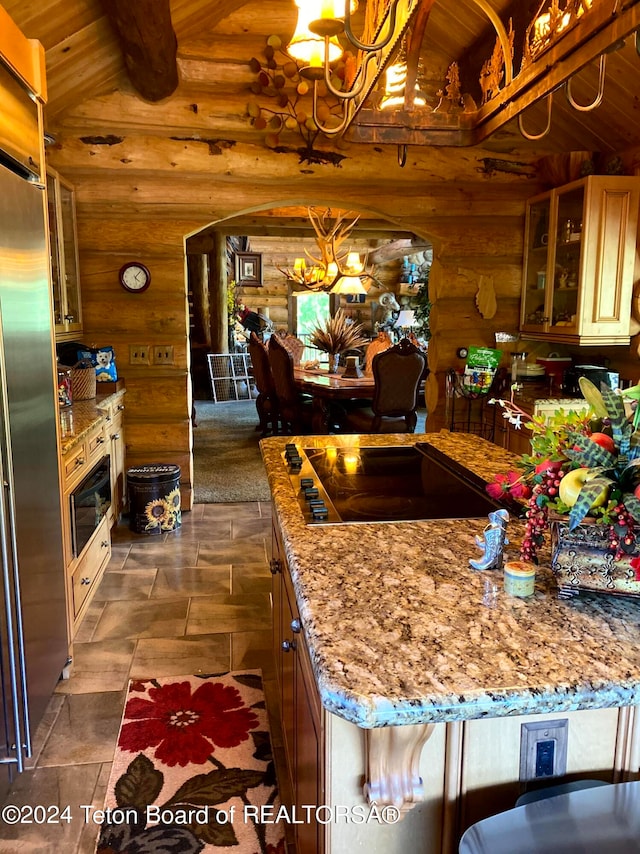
326, 388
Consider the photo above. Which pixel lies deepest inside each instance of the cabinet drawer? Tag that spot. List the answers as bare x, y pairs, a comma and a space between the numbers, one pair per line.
73, 461
95, 445
90, 567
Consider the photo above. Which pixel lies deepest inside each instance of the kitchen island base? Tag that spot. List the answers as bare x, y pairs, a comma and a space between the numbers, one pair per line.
383, 626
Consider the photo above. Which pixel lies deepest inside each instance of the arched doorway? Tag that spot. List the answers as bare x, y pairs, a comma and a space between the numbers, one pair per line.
278, 235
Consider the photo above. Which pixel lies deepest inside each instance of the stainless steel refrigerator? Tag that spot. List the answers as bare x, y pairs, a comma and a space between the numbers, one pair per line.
33, 634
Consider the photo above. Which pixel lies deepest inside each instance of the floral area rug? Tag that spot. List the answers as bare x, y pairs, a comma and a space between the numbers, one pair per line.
193, 770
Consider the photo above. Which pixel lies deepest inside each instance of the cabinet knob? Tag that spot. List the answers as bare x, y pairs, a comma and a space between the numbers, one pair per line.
104, 544
79, 461
85, 581
115, 436
288, 645
100, 440
296, 626
69, 318
120, 407
274, 566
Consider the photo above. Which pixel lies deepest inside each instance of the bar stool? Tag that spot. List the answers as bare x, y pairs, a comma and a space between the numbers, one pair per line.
596, 820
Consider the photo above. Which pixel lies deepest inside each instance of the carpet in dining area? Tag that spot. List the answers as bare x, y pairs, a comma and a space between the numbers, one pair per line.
193, 769
227, 463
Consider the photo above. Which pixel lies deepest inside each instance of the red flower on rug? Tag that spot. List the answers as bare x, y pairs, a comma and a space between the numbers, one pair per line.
186, 727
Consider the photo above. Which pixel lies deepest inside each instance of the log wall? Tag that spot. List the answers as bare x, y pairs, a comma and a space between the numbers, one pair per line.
141, 196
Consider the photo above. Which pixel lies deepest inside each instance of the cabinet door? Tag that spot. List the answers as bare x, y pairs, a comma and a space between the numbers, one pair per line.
580, 251
609, 253
535, 304
115, 435
54, 247
71, 283
308, 762
566, 263
64, 257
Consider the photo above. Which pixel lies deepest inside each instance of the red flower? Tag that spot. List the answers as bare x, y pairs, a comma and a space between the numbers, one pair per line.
635, 565
505, 485
186, 727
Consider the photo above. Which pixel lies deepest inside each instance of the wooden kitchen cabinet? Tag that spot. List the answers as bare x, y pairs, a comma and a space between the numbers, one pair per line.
580, 250
84, 566
114, 443
65, 281
301, 710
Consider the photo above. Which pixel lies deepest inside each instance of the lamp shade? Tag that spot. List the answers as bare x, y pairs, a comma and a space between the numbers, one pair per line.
406, 318
306, 46
348, 285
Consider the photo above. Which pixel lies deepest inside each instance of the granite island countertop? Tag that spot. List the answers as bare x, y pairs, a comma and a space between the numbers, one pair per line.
401, 630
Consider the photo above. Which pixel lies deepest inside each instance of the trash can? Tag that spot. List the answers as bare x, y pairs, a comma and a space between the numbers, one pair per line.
154, 498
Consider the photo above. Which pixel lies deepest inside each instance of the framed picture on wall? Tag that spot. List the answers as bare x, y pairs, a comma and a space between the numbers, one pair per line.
248, 269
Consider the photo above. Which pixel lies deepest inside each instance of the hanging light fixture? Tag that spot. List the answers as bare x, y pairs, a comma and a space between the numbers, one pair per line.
325, 20
340, 273
307, 46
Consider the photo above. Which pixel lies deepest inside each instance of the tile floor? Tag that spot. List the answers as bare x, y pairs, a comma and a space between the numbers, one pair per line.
196, 602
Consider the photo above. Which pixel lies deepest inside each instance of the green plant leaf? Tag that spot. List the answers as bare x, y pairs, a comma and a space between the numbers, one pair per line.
593, 397
590, 492
633, 506
620, 427
590, 454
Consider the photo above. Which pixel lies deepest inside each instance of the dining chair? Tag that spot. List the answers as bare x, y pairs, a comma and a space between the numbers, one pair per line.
267, 400
397, 373
294, 409
292, 343
378, 345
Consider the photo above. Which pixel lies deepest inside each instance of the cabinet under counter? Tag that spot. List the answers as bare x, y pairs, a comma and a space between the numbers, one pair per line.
406, 677
91, 472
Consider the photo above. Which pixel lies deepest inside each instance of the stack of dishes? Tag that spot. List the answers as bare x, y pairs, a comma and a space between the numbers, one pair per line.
528, 371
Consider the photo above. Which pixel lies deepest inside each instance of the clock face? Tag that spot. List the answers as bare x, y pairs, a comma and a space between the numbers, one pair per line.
135, 277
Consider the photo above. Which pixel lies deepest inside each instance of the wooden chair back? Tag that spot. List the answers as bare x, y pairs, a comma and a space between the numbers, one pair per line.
267, 400
397, 372
382, 342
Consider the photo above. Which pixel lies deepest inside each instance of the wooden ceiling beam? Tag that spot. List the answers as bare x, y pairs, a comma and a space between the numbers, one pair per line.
149, 45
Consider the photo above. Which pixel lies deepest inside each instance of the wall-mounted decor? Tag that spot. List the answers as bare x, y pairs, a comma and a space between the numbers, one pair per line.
248, 269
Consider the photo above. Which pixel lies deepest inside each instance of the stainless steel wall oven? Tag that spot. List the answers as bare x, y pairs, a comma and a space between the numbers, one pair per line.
90, 501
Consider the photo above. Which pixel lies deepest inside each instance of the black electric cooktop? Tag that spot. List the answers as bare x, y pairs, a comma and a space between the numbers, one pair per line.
384, 484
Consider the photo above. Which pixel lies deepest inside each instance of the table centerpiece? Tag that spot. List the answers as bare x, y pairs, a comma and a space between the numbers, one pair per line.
338, 334
581, 483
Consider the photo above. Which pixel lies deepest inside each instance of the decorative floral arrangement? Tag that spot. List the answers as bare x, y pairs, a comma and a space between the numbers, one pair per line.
581, 465
337, 334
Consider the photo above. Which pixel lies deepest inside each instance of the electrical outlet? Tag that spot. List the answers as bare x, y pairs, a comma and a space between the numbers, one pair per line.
139, 354
543, 749
163, 354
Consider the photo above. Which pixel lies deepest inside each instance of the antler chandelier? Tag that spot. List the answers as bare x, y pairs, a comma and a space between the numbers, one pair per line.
337, 271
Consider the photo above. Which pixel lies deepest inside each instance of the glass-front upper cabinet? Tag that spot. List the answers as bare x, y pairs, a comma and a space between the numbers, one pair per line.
580, 247
64, 257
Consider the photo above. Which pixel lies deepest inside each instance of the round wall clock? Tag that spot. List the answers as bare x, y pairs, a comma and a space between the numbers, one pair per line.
135, 277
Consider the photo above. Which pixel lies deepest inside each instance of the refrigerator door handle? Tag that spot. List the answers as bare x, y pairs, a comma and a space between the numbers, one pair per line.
17, 671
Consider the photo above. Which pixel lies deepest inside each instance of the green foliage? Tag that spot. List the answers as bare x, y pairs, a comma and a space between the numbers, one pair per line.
550, 439
616, 473
421, 305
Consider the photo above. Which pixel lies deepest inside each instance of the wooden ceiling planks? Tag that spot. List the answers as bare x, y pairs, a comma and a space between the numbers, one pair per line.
84, 63
94, 47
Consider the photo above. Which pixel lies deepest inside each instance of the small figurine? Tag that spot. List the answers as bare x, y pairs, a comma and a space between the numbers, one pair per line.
493, 541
